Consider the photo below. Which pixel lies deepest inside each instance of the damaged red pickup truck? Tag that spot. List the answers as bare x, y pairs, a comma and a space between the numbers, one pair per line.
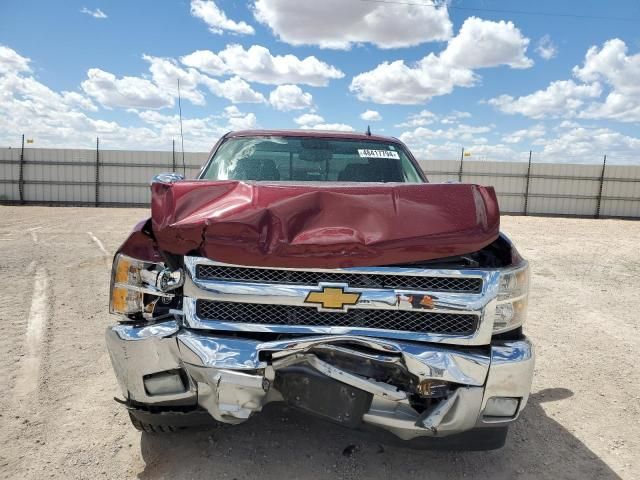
321, 269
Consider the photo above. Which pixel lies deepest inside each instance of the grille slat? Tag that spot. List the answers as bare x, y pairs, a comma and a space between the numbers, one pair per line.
354, 280
408, 321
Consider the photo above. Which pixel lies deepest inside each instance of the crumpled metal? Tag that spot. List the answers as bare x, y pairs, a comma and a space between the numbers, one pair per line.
329, 225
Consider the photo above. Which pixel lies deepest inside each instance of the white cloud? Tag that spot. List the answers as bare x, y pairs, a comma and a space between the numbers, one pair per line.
165, 73
420, 119
454, 117
570, 144
561, 98
567, 124
425, 117
338, 127
97, 13
590, 144
445, 143
126, 92
484, 43
199, 130
169, 125
232, 111
61, 120
12, 62
398, 83
205, 61
290, 97
162, 89
546, 48
536, 131
478, 152
257, 64
247, 122
216, 19
621, 72
479, 44
136, 92
77, 100
238, 120
607, 69
308, 119
371, 116
460, 133
617, 106
339, 24
53, 119
234, 89
612, 64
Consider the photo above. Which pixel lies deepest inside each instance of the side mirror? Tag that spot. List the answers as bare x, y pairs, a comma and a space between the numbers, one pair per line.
168, 177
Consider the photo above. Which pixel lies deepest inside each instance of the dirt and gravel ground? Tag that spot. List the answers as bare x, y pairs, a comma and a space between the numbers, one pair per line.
58, 419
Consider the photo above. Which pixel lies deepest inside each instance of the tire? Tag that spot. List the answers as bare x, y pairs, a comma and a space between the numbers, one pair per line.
170, 422
150, 428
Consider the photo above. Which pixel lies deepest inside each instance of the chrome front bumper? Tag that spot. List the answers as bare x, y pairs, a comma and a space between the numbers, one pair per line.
165, 364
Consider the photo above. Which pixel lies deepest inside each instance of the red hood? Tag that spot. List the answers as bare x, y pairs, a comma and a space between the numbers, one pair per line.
322, 226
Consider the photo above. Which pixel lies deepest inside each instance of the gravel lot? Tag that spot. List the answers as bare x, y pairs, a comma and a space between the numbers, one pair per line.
58, 418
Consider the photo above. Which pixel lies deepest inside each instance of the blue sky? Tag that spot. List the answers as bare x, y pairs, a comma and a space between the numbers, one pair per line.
466, 73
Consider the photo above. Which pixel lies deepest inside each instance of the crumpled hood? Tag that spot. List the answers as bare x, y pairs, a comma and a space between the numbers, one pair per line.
322, 225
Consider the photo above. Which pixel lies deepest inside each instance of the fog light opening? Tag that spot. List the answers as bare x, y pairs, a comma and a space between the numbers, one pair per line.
164, 383
502, 407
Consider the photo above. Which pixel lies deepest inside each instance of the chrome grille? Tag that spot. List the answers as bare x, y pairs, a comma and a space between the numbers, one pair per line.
408, 321
354, 280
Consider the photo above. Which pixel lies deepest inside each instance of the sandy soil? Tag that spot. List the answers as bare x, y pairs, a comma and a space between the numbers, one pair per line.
58, 418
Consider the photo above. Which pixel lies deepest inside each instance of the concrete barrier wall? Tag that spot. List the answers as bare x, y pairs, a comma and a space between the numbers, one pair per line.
121, 178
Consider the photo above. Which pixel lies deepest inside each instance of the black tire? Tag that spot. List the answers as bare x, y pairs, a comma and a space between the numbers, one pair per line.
150, 428
170, 422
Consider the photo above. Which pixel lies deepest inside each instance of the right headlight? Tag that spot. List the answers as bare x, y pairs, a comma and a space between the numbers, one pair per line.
511, 309
136, 286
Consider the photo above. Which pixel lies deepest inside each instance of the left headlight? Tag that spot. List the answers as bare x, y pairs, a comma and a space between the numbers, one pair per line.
513, 292
136, 285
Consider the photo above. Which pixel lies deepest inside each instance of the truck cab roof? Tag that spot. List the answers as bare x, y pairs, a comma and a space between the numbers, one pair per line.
312, 133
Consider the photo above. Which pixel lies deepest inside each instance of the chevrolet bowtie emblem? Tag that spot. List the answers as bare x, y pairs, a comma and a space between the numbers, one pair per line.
332, 298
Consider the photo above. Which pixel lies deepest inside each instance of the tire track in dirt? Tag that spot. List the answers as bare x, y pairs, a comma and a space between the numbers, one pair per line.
27, 381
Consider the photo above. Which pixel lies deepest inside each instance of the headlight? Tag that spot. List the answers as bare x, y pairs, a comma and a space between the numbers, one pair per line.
136, 286
511, 309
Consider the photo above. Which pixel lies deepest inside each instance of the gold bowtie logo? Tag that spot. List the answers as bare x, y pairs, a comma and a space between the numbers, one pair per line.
332, 298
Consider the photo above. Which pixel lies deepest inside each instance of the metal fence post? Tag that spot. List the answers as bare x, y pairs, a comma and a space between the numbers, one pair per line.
97, 185
604, 166
461, 161
173, 155
526, 191
21, 173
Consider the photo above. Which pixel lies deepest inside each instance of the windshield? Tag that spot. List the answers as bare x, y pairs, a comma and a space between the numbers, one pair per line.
310, 159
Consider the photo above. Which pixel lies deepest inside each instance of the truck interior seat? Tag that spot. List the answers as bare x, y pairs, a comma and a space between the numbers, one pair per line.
377, 170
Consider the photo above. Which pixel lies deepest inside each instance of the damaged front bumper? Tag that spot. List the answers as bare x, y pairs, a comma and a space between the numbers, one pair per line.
408, 388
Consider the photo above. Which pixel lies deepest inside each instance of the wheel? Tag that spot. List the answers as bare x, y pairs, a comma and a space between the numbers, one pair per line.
170, 422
